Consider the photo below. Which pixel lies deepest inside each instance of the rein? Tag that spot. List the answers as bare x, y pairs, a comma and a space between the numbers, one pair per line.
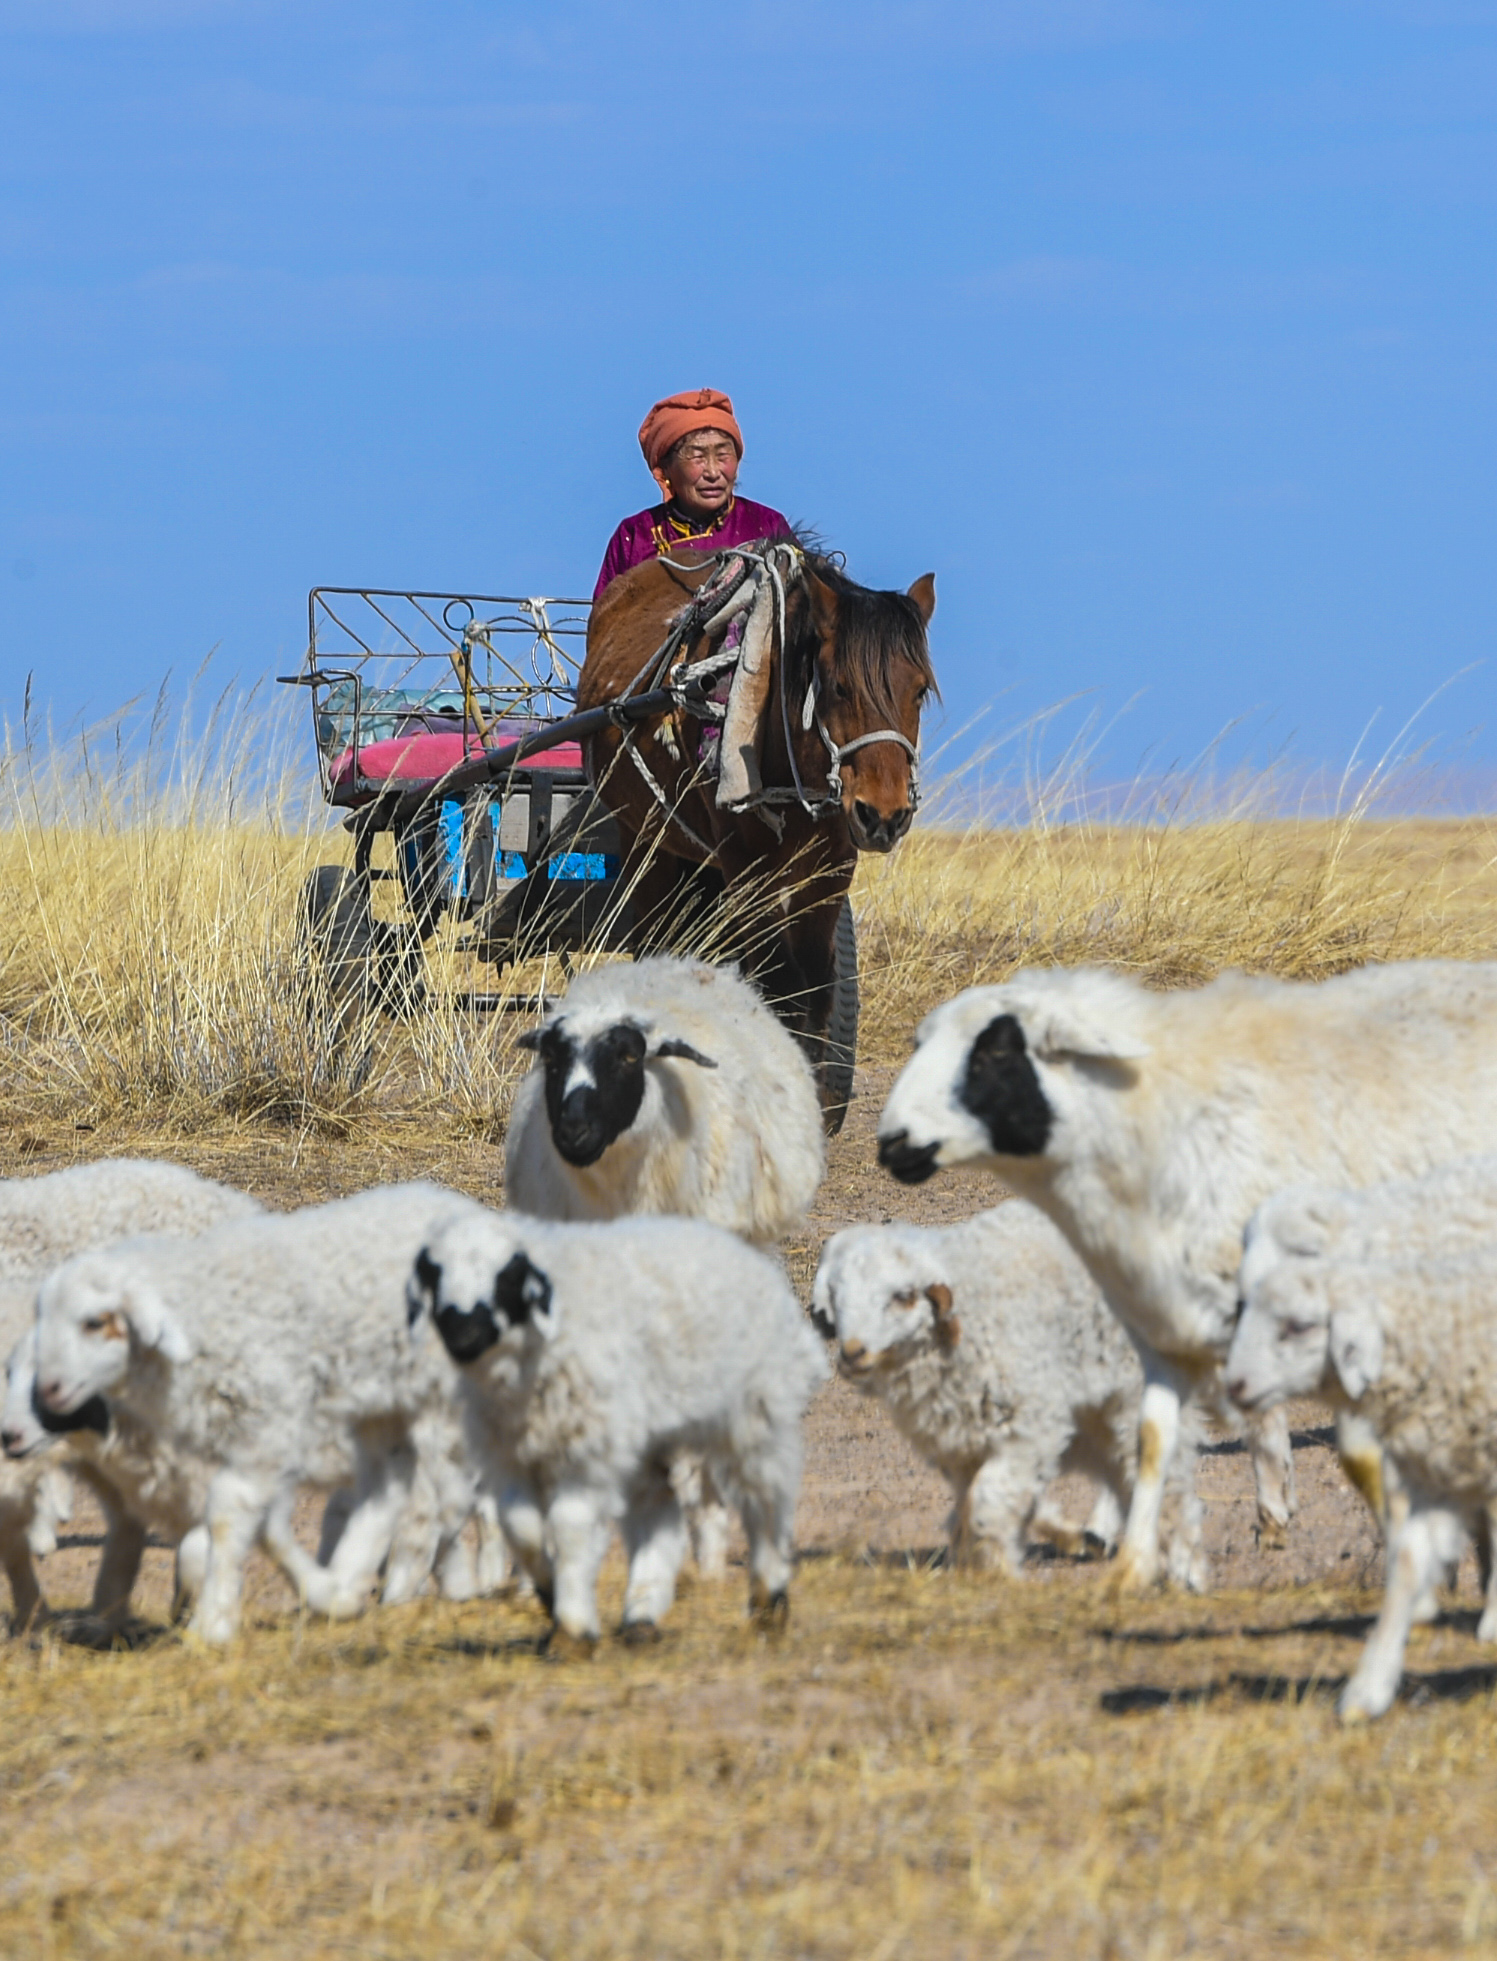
741, 583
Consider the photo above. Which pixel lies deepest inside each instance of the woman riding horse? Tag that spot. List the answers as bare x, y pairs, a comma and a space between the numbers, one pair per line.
693, 447
828, 765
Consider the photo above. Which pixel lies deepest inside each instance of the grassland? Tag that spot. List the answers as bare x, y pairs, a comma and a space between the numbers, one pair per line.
926, 1764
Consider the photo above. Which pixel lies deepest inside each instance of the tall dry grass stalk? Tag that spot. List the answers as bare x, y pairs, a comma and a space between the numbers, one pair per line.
154, 869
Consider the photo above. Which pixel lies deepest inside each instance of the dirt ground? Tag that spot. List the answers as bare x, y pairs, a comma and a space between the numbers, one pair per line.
927, 1763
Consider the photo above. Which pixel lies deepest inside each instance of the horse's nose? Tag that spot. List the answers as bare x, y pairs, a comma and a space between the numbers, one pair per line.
873, 832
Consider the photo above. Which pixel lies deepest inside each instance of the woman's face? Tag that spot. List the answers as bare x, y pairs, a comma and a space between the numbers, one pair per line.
699, 473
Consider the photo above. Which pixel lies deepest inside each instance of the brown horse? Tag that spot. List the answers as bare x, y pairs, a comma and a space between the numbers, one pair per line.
848, 672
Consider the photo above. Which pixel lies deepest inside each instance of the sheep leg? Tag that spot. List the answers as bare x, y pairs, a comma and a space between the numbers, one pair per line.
235, 1512
191, 1571
1415, 1556
417, 1537
335, 1516
1486, 1540
524, 1526
1362, 1460
995, 1511
368, 1537
1137, 1564
578, 1529
25, 1592
52, 1505
1273, 1477
767, 1493
119, 1562
655, 1539
706, 1514
493, 1564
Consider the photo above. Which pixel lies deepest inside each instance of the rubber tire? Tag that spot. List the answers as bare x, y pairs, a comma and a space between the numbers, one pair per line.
340, 954
840, 1054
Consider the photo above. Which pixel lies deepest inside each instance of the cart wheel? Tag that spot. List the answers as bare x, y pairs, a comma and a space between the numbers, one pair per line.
840, 1053
340, 958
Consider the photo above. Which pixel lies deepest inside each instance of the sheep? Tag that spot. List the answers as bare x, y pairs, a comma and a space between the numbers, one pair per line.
591, 1355
668, 1086
1451, 1210
1411, 1345
143, 1482
42, 1221
36, 1500
1148, 1126
45, 1220
995, 1355
269, 1352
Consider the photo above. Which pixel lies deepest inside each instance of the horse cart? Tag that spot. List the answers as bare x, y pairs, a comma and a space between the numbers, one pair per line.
448, 730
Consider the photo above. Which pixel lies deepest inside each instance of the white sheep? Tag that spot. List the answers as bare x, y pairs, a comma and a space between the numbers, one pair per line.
1411, 1345
42, 1221
1148, 1126
591, 1356
668, 1086
1450, 1210
995, 1355
272, 1352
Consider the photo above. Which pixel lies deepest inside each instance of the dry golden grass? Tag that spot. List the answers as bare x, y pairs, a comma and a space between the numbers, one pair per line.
926, 1764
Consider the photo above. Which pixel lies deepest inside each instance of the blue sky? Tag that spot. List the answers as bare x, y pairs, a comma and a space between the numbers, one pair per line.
1163, 333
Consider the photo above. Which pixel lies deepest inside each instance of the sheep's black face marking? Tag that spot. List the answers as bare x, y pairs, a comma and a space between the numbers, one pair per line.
1002, 1091
521, 1290
92, 1415
428, 1281
465, 1336
910, 1163
588, 1117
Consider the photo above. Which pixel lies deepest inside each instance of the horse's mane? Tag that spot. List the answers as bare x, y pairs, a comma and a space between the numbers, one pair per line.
877, 633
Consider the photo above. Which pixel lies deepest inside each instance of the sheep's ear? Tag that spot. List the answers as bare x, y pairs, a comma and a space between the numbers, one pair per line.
153, 1324
1356, 1345
522, 1293
1060, 1029
421, 1288
671, 1046
948, 1328
821, 1309
530, 1038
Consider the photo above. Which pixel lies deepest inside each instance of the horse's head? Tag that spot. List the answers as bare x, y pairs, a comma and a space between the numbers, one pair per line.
872, 673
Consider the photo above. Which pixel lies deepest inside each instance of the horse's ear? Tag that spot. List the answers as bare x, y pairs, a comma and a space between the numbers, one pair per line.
923, 592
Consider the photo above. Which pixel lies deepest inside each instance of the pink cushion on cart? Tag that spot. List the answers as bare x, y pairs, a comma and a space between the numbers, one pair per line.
424, 757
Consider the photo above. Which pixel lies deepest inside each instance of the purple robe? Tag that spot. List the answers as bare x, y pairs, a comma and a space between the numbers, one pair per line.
649, 533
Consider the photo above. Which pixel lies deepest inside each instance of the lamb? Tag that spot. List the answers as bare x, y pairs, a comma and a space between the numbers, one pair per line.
269, 1352
591, 1355
143, 1482
1411, 1345
42, 1221
995, 1355
1149, 1126
668, 1086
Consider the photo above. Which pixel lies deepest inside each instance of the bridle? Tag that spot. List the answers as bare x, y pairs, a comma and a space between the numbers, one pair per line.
741, 583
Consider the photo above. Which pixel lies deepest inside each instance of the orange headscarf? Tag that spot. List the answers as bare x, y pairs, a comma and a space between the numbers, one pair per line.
678, 415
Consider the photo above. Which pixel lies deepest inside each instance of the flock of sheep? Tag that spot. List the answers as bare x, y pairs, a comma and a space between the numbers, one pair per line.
1227, 1198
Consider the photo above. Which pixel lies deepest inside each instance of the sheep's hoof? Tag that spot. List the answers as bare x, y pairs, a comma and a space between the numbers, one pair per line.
767, 1610
1127, 1577
639, 1634
1354, 1714
1273, 1535
562, 1645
